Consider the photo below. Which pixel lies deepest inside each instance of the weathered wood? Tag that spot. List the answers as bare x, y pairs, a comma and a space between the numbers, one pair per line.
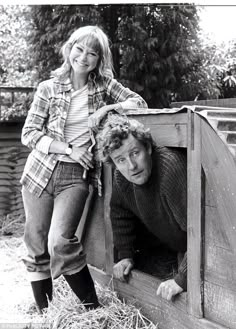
167, 130
221, 304
81, 230
11, 135
108, 229
142, 290
94, 241
225, 102
220, 171
220, 243
195, 216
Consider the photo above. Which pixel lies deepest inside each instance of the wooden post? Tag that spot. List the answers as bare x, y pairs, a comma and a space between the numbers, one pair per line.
108, 228
195, 216
0, 103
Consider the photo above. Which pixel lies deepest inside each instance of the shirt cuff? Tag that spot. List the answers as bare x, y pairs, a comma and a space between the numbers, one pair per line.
133, 103
119, 108
44, 144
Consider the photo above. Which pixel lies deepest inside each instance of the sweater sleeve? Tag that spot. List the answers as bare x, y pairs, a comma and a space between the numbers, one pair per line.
174, 186
175, 192
181, 277
123, 225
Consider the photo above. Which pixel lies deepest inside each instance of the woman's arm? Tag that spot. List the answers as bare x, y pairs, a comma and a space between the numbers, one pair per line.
33, 128
123, 99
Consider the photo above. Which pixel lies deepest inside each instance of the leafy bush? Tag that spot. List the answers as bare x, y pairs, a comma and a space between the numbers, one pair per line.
19, 108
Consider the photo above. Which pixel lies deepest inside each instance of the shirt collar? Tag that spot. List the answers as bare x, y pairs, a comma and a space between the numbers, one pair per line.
63, 85
66, 85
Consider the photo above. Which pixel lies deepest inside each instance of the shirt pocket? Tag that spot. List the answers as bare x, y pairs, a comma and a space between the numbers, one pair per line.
57, 116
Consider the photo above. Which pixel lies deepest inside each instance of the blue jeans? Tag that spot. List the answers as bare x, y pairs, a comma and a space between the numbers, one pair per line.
51, 223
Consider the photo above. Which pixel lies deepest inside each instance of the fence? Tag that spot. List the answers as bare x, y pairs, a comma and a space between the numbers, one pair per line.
8, 95
12, 159
226, 102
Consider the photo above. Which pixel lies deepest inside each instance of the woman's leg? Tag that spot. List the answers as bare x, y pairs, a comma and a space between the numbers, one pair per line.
66, 251
38, 212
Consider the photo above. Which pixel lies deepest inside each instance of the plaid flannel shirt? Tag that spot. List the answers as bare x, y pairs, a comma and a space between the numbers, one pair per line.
47, 117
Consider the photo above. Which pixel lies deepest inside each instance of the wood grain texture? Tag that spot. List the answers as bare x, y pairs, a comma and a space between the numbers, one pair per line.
195, 204
141, 290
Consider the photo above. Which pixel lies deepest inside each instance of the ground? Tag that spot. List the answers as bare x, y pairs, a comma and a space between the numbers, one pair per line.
15, 292
65, 312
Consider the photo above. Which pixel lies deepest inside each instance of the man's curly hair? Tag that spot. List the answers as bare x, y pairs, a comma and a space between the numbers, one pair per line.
117, 128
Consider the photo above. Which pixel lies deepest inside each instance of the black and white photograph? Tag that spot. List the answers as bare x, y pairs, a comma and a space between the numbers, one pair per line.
117, 165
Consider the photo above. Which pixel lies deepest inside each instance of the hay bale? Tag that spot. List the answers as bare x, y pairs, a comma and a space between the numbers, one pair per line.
66, 312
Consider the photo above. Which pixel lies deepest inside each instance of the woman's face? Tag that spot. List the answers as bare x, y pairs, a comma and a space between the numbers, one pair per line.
83, 59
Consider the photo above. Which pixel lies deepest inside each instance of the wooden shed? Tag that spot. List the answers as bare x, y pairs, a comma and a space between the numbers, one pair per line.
209, 136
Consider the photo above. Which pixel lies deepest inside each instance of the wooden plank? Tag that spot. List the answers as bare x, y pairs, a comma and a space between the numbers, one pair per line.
214, 231
220, 304
169, 135
7, 189
195, 215
94, 240
10, 135
9, 143
225, 102
150, 116
81, 230
220, 267
215, 159
141, 289
107, 220
167, 130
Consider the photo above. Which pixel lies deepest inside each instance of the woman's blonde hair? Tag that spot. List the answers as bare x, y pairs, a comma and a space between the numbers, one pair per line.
91, 36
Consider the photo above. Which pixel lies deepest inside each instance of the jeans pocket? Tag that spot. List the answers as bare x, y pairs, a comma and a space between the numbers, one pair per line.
77, 177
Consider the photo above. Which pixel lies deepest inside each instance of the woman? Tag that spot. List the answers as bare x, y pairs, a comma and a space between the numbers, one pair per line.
54, 192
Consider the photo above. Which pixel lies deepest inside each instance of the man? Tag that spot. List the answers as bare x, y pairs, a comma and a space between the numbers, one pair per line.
150, 186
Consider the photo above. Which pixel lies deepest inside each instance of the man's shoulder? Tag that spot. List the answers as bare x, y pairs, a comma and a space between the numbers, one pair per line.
170, 155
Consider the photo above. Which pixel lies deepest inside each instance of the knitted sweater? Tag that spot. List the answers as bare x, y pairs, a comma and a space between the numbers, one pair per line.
160, 204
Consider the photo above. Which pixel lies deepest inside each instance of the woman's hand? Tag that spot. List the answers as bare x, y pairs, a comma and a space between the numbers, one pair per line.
82, 156
96, 117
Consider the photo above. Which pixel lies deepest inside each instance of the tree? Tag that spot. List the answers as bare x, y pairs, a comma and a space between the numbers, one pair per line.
162, 56
54, 25
156, 48
15, 54
220, 63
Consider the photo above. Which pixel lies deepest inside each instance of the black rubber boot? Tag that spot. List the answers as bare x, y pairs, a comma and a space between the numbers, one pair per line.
83, 286
42, 290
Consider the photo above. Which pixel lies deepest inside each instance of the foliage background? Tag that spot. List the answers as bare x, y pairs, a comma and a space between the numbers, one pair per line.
158, 50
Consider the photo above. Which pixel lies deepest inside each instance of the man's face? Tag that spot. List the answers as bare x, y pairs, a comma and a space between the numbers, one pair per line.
133, 160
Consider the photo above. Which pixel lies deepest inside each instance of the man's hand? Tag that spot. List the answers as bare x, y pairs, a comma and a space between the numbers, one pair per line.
123, 268
169, 289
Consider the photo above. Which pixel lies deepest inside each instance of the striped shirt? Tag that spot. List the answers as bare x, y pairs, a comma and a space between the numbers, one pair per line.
47, 117
76, 126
